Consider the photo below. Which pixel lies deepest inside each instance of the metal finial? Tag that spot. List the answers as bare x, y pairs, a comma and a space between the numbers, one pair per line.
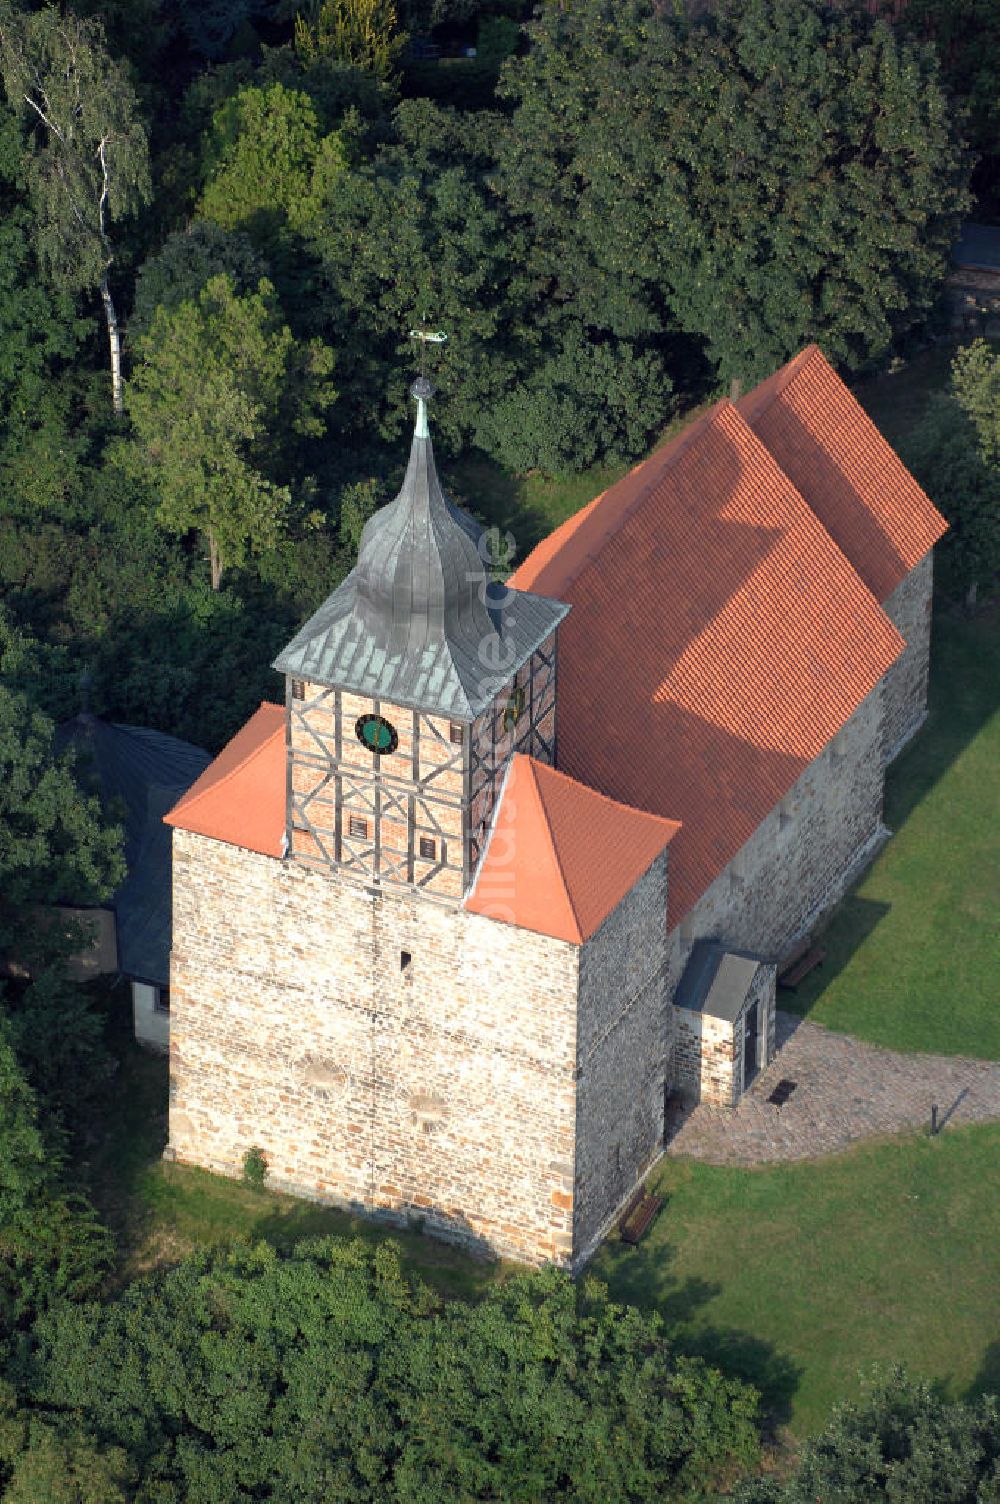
423, 389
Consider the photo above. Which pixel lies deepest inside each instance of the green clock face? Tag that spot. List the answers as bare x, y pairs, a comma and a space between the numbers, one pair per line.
376, 733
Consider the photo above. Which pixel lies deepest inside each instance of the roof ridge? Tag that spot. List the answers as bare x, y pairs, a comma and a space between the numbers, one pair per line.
773, 386
553, 843
668, 454
190, 799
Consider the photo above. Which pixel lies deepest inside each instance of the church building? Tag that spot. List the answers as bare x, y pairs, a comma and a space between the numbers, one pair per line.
513, 863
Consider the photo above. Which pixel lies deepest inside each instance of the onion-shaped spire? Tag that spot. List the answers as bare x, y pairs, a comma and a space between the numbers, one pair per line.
420, 578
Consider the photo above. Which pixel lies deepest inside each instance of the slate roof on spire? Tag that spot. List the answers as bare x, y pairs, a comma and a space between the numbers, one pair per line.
417, 621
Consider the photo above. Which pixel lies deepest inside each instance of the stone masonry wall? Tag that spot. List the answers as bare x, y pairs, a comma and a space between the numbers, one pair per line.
909, 608
704, 1052
802, 857
440, 1088
623, 1055
707, 1051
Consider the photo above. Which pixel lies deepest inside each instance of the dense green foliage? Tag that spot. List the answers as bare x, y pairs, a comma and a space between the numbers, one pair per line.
326, 1374
783, 170
88, 163
965, 35
903, 1445
956, 455
212, 377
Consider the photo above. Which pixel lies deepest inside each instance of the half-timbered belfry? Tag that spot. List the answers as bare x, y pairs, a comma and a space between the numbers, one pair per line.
409, 691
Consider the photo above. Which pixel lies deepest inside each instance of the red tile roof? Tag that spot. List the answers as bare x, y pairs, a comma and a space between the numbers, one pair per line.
240, 797
854, 481
718, 641
561, 856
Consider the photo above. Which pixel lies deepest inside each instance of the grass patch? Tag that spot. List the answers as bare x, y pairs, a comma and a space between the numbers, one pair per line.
897, 403
914, 952
800, 1277
532, 506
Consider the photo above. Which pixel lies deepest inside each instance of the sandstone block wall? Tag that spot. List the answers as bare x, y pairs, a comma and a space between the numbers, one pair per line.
623, 1055
440, 1088
909, 607
708, 1052
802, 857
704, 1051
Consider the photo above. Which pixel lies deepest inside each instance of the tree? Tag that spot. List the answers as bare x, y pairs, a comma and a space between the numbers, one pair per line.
419, 239
955, 454
40, 335
54, 845
975, 380
773, 172
185, 263
52, 1245
903, 1444
219, 384
327, 1374
267, 165
364, 33
966, 37
89, 159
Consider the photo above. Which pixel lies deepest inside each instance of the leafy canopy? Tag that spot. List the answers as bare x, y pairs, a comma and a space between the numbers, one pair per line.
54, 845
955, 454
326, 1375
267, 164
217, 377
903, 1445
89, 159
364, 33
774, 172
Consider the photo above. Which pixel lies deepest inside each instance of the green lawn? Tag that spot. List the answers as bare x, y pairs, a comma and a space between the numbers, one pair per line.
914, 953
800, 1277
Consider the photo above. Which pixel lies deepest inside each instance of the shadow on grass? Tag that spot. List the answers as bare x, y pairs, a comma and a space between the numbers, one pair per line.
964, 694
987, 1380
849, 927
642, 1277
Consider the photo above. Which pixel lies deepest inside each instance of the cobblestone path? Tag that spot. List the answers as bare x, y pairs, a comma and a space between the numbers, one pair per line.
845, 1090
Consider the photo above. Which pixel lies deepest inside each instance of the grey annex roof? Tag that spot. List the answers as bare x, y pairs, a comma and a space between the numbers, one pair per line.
138, 775
716, 981
978, 248
418, 621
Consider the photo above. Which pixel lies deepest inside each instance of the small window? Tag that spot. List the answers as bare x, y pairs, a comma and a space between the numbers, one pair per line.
514, 708
456, 733
404, 959
786, 812
357, 827
161, 999
428, 848
298, 689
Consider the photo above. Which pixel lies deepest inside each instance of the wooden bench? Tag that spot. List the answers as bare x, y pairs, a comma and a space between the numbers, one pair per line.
799, 965
638, 1215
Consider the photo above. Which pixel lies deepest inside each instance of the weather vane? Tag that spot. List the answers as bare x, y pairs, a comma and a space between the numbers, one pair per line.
427, 337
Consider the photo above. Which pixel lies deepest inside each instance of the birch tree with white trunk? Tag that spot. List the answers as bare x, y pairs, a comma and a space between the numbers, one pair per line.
88, 162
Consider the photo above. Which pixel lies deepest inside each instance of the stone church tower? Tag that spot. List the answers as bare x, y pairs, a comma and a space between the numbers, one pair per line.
400, 966
409, 691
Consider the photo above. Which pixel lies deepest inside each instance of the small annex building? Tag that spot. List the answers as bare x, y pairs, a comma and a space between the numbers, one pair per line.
138, 774
511, 865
